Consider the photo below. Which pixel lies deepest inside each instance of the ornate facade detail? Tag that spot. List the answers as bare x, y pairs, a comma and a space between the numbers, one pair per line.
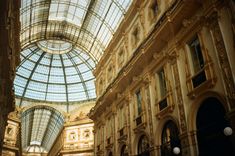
157, 83
183, 124
149, 112
223, 59
136, 35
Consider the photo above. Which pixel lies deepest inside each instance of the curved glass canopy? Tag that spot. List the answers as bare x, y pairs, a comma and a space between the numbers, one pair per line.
62, 41
40, 127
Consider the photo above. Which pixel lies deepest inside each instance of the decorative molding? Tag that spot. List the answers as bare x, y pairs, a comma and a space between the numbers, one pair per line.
223, 58
179, 97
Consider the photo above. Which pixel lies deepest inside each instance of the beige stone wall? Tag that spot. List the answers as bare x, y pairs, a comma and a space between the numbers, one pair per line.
11, 142
146, 45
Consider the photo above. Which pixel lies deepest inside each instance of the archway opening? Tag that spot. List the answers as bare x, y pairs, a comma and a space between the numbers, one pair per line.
143, 146
211, 121
170, 139
110, 154
124, 151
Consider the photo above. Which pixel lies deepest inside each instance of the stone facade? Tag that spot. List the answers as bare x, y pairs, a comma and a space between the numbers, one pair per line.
12, 141
150, 75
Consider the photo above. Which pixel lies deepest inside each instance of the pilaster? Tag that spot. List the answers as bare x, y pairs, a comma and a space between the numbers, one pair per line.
223, 59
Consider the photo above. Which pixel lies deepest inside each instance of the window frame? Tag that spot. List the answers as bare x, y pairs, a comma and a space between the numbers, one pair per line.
194, 57
139, 102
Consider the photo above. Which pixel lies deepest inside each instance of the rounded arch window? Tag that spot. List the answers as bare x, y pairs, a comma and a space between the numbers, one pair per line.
170, 139
110, 154
143, 146
124, 151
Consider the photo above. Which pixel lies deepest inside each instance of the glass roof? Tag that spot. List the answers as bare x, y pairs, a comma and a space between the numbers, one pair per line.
40, 127
89, 24
55, 77
62, 41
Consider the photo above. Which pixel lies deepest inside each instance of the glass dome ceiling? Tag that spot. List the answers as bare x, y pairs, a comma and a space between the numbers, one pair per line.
62, 41
48, 76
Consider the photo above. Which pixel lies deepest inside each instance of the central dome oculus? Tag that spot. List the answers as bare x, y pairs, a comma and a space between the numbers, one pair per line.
55, 46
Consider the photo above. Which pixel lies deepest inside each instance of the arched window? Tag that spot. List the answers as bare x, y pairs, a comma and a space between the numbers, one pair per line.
143, 146
170, 139
110, 154
124, 151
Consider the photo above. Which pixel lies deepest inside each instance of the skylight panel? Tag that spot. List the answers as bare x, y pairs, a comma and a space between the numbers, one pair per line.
56, 63
40, 86
112, 17
79, 13
70, 71
90, 85
55, 97
84, 56
56, 88
34, 94
87, 75
102, 7
83, 3
20, 81
24, 72
67, 63
59, 80
26, 52
83, 68
91, 63
75, 88
28, 64
80, 2
124, 3
25, 3
18, 90
42, 78
62, 11
75, 96
71, 11
73, 79
94, 24
96, 50
104, 35
92, 93
43, 70
34, 58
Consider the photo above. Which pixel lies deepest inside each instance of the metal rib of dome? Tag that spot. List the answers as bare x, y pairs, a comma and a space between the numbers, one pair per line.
62, 41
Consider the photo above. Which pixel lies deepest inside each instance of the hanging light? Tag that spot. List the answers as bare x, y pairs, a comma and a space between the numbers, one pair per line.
228, 131
176, 150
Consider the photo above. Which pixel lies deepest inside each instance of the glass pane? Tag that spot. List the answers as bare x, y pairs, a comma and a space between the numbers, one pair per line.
162, 83
196, 55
